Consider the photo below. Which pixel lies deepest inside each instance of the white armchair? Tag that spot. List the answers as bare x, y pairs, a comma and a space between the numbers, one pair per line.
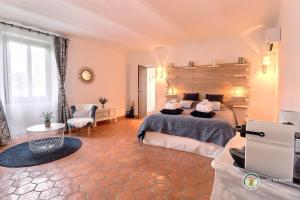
83, 115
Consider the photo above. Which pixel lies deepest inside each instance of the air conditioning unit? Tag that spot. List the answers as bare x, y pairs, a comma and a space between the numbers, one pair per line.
273, 35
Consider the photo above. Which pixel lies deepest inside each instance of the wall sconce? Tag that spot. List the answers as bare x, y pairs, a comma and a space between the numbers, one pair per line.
160, 71
239, 92
266, 62
172, 91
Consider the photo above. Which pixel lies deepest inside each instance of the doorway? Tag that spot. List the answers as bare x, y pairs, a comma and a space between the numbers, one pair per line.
146, 90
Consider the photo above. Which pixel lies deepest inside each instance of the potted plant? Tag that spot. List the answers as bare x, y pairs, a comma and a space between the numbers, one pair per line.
47, 118
103, 101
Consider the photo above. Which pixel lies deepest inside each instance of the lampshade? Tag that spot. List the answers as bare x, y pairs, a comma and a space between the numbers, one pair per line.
172, 91
266, 60
160, 71
159, 68
239, 92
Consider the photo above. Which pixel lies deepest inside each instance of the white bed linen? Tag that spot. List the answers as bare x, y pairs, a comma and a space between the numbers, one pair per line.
183, 144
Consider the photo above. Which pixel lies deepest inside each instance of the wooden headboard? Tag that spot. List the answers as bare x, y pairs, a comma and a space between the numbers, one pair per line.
223, 79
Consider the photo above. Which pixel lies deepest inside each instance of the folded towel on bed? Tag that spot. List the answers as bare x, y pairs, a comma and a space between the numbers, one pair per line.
196, 113
204, 106
177, 111
172, 105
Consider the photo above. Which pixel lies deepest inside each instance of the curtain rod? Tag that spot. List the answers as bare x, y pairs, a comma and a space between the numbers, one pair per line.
31, 30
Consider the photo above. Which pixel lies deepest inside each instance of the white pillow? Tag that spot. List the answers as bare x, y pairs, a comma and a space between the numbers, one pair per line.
216, 105
186, 103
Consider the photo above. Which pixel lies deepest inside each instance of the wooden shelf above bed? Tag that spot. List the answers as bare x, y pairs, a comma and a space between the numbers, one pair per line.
211, 66
240, 106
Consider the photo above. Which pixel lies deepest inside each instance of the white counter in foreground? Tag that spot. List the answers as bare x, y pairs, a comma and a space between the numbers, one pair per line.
228, 183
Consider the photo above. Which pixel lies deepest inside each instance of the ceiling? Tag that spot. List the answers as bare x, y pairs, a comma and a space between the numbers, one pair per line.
138, 24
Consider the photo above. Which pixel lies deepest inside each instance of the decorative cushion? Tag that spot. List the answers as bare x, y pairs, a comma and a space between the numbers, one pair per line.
215, 97
84, 110
196, 113
177, 111
191, 96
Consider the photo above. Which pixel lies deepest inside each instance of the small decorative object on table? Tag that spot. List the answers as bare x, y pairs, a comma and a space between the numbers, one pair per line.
130, 112
103, 101
47, 118
241, 60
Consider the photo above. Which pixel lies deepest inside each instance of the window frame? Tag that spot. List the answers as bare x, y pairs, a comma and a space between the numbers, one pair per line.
7, 69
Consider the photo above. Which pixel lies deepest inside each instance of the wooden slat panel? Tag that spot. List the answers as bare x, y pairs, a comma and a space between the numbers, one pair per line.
214, 80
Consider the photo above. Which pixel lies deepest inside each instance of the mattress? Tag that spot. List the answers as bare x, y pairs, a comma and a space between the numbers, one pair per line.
183, 144
218, 130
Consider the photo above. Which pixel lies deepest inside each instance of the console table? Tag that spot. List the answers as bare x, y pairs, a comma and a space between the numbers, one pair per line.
106, 114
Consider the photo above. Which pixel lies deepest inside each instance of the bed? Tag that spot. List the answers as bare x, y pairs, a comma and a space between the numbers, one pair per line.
187, 133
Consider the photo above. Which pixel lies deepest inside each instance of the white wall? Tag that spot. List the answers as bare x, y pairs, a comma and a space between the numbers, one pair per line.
289, 56
263, 93
109, 66
150, 90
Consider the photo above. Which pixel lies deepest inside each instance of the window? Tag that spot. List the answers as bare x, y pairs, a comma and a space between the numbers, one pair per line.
28, 76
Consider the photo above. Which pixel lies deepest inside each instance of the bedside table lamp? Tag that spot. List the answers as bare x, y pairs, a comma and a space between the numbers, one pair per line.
239, 92
172, 91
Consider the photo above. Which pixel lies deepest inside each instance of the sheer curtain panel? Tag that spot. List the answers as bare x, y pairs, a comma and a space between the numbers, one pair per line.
29, 83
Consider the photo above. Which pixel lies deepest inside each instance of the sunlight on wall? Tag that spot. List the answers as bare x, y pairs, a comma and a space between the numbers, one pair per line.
239, 92
150, 90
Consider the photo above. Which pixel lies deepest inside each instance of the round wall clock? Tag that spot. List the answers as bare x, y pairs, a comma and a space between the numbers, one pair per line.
86, 75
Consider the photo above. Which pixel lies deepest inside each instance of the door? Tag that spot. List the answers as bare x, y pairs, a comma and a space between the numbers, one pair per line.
142, 91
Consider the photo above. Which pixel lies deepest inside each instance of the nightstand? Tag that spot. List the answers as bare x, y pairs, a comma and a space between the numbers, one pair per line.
241, 113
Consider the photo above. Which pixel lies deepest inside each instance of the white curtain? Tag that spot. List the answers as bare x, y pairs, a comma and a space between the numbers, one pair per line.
28, 78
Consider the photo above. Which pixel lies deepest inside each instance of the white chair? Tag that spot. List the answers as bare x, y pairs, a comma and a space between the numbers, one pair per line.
83, 115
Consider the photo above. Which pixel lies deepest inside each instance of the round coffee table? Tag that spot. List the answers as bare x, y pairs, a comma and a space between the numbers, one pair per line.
45, 140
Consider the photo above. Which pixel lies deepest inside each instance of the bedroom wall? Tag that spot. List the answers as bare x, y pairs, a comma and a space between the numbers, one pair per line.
109, 66
263, 93
289, 52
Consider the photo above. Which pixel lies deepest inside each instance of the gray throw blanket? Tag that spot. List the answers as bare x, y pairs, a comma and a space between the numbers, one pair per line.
206, 130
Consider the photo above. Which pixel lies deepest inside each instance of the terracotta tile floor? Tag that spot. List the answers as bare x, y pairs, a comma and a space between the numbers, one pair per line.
112, 164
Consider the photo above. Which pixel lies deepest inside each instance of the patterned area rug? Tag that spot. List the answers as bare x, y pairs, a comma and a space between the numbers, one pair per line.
21, 156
